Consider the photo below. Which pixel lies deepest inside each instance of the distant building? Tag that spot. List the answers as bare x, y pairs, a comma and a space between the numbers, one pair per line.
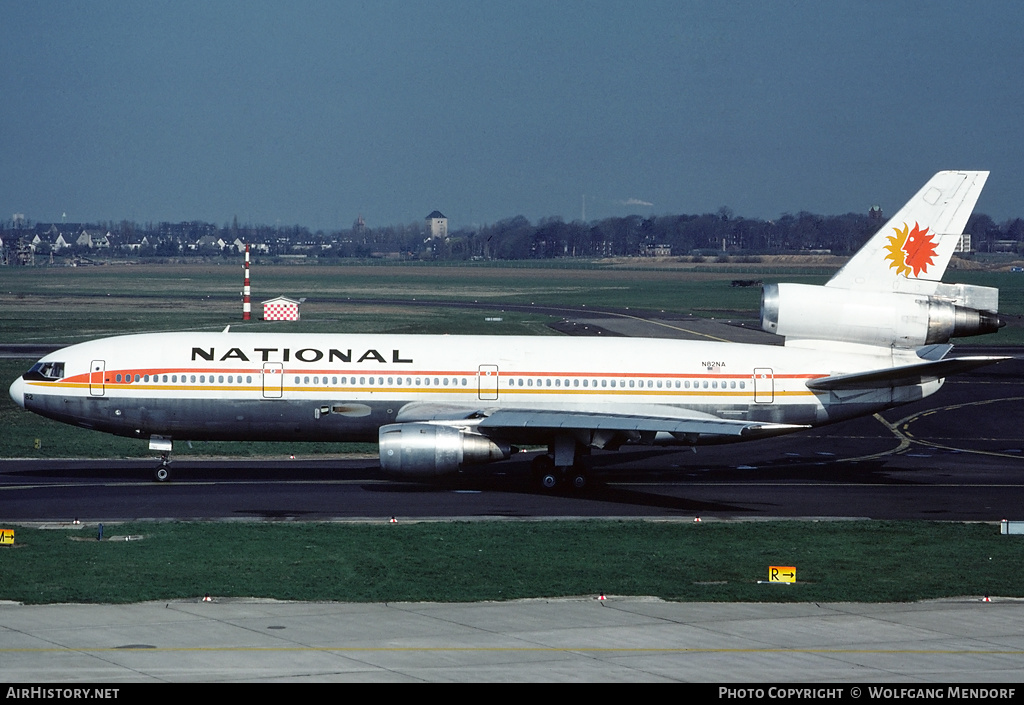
94, 239
438, 225
281, 309
209, 242
875, 213
660, 250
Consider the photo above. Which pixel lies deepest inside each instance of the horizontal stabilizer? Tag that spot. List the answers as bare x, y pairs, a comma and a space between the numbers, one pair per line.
905, 376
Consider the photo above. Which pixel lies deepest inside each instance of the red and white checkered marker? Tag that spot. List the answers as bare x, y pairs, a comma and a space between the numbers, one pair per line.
281, 312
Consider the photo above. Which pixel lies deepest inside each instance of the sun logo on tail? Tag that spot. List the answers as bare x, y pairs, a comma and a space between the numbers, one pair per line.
911, 251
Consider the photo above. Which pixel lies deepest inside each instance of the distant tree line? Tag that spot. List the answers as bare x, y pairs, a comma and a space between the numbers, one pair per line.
512, 238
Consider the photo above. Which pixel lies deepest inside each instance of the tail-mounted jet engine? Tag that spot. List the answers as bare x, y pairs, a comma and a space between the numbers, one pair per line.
421, 450
908, 320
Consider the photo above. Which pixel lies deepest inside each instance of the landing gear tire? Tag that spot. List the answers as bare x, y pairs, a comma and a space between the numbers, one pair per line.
579, 479
545, 473
163, 470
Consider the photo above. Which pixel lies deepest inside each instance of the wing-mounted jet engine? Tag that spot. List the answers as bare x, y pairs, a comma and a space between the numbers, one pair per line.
423, 450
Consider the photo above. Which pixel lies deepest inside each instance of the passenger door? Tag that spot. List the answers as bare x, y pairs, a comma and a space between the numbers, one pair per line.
764, 385
97, 370
273, 380
487, 378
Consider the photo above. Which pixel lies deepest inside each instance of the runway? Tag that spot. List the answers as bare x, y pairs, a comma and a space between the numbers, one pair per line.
960, 642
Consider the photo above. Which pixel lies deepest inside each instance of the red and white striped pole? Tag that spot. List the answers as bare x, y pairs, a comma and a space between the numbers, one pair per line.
246, 305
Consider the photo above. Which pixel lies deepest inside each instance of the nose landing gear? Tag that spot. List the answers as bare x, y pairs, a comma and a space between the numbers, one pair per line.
162, 473
163, 470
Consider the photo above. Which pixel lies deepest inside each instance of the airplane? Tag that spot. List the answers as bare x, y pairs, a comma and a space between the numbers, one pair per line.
874, 337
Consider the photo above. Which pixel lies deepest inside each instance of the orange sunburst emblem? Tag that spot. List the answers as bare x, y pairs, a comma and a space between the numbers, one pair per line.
911, 251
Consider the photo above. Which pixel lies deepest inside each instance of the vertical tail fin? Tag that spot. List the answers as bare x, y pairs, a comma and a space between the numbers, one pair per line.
911, 251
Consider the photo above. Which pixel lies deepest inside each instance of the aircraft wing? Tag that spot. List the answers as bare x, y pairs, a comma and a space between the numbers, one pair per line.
507, 421
705, 424
903, 376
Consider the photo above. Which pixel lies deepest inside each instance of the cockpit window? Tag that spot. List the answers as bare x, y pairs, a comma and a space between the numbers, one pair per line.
46, 371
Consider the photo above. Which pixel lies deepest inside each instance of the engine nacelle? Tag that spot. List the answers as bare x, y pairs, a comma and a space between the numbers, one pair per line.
415, 450
882, 318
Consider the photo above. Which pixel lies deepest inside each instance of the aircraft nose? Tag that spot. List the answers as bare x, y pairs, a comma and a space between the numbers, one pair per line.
18, 392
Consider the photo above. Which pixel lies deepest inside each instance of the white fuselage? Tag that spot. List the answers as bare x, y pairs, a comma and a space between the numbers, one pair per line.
245, 386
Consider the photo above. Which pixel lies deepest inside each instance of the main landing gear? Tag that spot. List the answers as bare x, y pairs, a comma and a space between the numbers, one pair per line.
562, 467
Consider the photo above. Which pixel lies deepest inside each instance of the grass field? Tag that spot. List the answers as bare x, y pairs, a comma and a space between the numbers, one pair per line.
73, 304
458, 561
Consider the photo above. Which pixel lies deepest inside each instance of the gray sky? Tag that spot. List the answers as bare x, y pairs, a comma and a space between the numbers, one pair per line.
312, 113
